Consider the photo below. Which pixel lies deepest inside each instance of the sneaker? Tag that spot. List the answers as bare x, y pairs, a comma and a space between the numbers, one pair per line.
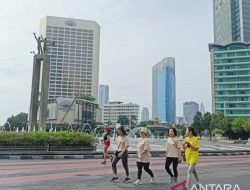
115, 179
198, 186
171, 180
152, 179
103, 162
137, 182
126, 180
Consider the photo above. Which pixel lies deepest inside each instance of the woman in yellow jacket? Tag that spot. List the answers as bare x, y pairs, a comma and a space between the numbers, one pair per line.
191, 146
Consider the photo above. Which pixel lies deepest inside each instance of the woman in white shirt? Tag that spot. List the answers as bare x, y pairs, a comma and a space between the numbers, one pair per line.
173, 153
143, 156
121, 153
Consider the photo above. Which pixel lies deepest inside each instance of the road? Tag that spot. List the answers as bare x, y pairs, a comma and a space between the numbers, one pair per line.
90, 175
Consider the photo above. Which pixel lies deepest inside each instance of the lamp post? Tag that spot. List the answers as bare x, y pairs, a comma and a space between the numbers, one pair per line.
129, 116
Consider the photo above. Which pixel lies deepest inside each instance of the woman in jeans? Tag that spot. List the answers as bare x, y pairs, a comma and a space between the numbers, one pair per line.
191, 146
173, 153
143, 157
121, 153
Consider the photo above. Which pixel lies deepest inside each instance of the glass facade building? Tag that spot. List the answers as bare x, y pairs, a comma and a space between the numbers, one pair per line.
103, 95
230, 67
231, 21
164, 95
144, 114
189, 111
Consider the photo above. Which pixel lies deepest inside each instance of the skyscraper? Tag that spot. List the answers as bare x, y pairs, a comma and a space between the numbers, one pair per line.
189, 111
73, 46
144, 114
230, 65
103, 95
163, 87
230, 58
231, 21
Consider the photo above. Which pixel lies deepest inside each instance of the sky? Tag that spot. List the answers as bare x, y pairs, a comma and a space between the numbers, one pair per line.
135, 35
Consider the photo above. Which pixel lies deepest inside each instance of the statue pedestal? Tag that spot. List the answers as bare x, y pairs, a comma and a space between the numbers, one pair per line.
39, 92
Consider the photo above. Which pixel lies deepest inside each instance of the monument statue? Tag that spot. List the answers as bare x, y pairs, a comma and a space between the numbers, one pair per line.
45, 44
39, 44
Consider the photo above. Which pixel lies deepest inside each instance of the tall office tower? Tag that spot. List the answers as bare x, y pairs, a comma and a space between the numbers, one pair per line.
163, 87
103, 95
230, 65
189, 111
73, 46
231, 21
144, 114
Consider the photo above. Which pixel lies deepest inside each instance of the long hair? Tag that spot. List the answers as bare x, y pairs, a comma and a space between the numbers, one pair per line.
174, 130
122, 130
193, 131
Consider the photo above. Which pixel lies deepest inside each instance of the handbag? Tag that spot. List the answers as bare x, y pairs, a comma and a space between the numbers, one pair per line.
116, 151
184, 157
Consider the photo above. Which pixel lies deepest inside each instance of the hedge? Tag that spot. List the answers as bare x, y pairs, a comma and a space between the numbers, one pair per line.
45, 138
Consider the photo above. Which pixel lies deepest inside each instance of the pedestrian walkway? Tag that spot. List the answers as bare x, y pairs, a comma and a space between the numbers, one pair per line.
90, 174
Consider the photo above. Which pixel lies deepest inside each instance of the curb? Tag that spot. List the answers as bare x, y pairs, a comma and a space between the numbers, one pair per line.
99, 156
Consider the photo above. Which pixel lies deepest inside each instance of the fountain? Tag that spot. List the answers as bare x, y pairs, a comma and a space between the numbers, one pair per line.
70, 128
87, 128
4, 126
134, 133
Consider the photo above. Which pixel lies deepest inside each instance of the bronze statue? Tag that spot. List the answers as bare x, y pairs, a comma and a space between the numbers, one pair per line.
45, 44
39, 44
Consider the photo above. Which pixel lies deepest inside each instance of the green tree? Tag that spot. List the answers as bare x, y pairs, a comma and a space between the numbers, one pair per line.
123, 120
19, 120
218, 121
197, 123
206, 121
88, 98
241, 125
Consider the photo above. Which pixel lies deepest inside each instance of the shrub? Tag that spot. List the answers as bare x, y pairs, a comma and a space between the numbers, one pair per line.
217, 132
45, 138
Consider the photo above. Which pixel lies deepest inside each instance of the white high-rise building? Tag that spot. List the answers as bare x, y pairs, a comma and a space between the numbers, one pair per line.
144, 114
73, 46
103, 95
113, 110
202, 108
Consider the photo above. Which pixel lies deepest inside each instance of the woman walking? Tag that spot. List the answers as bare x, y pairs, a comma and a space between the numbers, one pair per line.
121, 153
143, 157
106, 144
191, 146
173, 153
